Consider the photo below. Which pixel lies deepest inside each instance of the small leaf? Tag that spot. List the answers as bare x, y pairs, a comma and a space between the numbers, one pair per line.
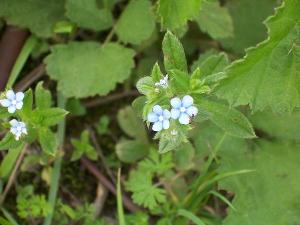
75, 107
26, 111
132, 125
83, 147
48, 141
174, 56
136, 23
156, 73
215, 20
87, 14
9, 141
103, 125
42, 97
48, 117
180, 81
9, 160
175, 13
229, 119
130, 151
145, 85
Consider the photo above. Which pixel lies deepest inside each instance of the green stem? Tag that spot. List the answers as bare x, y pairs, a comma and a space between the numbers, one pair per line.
21, 60
55, 175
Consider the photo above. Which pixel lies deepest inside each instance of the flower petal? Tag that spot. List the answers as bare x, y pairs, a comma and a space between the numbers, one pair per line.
19, 96
10, 95
13, 130
11, 109
19, 105
176, 103
152, 117
166, 114
166, 124
192, 111
175, 113
157, 126
157, 109
187, 101
184, 119
5, 102
13, 122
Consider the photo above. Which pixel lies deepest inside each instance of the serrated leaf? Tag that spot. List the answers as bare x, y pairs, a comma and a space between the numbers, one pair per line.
87, 14
137, 22
248, 17
229, 119
269, 74
215, 20
9, 141
83, 147
48, 117
175, 13
144, 192
38, 15
42, 97
86, 69
132, 125
48, 141
130, 151
174, 56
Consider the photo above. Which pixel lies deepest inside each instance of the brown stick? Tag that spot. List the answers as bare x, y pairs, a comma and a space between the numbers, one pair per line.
30, 78
110, 98
94, 170
11, 44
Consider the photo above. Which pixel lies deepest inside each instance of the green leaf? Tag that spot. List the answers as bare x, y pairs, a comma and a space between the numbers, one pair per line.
131, 124
181, 81
248, 17
184, 156
284, 127
137, 22
215, 20
191, 216
42, 97
145, 85
48, 141
144, 192
9, 141
156, 73
9, 160
48, 117
175, 13
26, 111
269, 74
157, 163
87, 14
211, 63
229, 119
130, 151
103, 125
75, 107
78, 77
38, 15
121, 214
260, 197
83, 147
174, 57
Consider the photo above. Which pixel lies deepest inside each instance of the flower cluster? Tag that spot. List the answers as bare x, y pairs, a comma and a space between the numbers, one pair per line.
182, 109
163, 82
14, 102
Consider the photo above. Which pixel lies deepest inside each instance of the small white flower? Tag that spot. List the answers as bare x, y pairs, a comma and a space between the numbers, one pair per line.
17, 128
160, 118
13, 101
163, 82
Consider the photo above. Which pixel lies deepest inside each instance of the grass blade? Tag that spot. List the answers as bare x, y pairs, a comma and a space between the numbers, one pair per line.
191, 216
121, 215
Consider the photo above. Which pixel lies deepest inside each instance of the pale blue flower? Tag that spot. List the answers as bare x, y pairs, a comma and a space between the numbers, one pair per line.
163, 82
183, 109
13, 101
160, 118
17, 128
